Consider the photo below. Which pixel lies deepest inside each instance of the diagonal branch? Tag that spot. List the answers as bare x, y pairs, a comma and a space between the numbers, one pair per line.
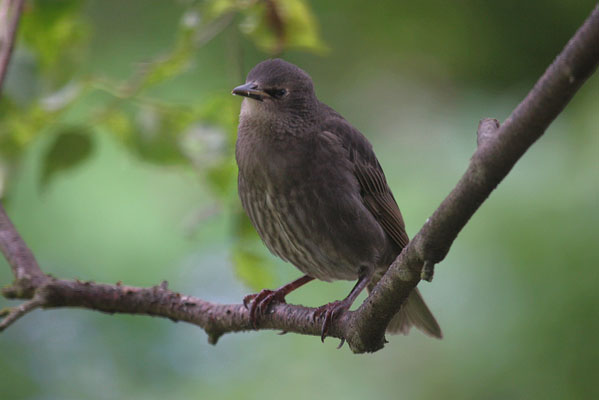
495, 156
7, 38
22, 261
499, 148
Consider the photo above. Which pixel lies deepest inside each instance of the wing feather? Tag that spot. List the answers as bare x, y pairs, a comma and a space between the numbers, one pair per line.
375, 191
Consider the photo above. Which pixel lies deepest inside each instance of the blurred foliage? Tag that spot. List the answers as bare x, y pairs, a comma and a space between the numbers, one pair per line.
122, 112
58, 36
158, 132
290, 20
274, 25
70, 147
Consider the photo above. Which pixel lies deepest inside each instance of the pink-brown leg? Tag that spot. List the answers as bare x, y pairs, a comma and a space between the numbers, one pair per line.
262, 300
335, 309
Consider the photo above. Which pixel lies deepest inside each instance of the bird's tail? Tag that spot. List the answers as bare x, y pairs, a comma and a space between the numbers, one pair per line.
414, 312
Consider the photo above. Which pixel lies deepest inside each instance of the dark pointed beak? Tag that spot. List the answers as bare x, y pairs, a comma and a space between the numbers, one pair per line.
251, 90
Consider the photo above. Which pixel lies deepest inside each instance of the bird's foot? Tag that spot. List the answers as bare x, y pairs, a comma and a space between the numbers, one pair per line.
330, 311
260, 303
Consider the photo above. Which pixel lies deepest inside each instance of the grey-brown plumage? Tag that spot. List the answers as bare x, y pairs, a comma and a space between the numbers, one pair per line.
316, 193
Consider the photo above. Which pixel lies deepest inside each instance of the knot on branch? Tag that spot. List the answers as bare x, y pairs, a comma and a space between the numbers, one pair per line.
24, 287
486, 130
213, 335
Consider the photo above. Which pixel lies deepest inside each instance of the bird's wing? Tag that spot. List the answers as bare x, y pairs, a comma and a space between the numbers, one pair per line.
374, 188
380, 202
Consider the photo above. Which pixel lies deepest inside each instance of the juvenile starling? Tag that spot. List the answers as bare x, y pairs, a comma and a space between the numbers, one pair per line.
316, 193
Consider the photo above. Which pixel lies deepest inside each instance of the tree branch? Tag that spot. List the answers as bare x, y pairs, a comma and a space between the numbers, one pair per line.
7, 38
495, 156
12, 314
499, 148
22, 261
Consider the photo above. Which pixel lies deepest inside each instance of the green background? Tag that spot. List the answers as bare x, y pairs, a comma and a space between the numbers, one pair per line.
516, 297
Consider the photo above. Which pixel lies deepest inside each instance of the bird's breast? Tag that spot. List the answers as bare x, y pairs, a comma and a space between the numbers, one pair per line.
305, 203
277, 160
291, 224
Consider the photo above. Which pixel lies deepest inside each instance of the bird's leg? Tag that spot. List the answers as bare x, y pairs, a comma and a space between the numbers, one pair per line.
261, 301
334, 309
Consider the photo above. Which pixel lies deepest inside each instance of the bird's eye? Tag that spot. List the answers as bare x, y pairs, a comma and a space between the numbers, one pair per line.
276, 93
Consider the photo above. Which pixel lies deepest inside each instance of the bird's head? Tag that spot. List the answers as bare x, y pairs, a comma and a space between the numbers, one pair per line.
276, 87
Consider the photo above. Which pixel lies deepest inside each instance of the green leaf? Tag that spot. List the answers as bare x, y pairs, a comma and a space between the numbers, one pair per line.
57, 34
277, 25
19, 127
216, 8
70, 148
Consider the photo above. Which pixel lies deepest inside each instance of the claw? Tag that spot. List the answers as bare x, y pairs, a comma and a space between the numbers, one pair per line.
247, 299
331, 312
325, 327
260, 303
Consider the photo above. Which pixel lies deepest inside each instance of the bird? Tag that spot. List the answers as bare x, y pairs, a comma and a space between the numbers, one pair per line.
316, 194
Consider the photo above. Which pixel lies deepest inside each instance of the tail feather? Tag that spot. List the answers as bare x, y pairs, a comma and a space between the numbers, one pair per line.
414, 312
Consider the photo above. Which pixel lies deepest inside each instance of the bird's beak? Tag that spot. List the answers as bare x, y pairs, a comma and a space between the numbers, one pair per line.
251, 90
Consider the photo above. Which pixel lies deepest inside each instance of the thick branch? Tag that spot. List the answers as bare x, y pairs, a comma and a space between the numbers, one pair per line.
498, 150
215, 319
495, 156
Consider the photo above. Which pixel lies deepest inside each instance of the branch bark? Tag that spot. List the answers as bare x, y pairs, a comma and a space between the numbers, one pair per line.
7, 38
499, 148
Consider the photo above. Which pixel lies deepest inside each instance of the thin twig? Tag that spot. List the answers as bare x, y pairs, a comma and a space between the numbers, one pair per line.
8, 43
12, 314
